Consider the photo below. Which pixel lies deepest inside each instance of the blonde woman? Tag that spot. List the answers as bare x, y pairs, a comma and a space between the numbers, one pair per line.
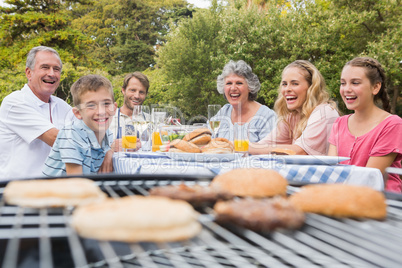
305, 113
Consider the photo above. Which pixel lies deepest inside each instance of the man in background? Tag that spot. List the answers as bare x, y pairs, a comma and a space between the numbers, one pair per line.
30, 118
135, 90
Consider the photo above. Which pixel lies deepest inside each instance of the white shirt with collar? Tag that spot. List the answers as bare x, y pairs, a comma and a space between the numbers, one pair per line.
23, 118
119, 123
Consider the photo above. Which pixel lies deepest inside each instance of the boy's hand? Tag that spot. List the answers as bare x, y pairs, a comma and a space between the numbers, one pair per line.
107, 165
116, 146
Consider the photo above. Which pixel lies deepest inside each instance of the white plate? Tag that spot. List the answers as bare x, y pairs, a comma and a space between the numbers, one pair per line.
394, 170
200, 157
145, 155
304, 159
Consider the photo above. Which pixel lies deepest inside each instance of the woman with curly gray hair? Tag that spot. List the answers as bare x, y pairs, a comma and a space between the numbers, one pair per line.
239, 86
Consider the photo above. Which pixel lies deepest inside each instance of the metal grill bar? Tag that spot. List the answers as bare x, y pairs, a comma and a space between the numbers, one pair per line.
234, 240
110, 256
227, 253
394, 213
372, 228
304, 250
11, 256
145, 261
205, 259
357, 240
322, 242
326, 250
124, 188
176, 259
351, 247
45, 247
287, 256
77, 252
158, 258
110, 191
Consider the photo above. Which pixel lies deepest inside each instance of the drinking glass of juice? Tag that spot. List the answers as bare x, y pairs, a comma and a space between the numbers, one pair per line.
158, 118
241, 141
129, 138
156, 141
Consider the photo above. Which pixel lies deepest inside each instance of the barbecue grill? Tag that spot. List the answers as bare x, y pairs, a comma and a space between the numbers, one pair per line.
44, 238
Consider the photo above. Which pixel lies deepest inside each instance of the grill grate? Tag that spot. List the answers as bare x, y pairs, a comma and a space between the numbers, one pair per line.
44, 238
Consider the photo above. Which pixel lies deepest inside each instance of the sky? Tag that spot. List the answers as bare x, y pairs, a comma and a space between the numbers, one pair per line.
199, 3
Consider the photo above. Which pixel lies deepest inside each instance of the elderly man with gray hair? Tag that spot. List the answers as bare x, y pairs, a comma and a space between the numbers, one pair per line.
30, 118
239, 86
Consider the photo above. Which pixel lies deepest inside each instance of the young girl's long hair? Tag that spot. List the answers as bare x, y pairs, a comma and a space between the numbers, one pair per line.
375, 73
316, 94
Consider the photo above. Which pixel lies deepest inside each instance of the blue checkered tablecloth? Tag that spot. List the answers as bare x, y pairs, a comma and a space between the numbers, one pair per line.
153, 163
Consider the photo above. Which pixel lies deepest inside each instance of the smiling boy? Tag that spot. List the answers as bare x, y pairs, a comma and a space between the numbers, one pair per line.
80, 147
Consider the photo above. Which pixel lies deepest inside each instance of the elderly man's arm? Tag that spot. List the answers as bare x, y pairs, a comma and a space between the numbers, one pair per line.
49, 136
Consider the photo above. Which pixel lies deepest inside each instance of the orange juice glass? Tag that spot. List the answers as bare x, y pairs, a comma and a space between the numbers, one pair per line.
241, 145
129, 142
156, 141
240, 137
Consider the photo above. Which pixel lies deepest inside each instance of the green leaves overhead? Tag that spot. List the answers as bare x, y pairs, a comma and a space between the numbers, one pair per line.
269, 35
125, 31
117, 36
183, 49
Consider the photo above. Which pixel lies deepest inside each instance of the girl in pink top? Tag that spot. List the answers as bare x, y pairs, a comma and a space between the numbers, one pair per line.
305, 113
371, 136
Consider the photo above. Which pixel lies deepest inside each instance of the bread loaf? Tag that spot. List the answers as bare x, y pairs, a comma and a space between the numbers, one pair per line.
197, 132
218, 145
184, 146
251, 182
137, 218
341, 200
52, 192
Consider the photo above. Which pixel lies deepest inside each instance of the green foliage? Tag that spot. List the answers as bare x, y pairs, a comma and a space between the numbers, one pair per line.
27, 24
189, 61
71, 74
31, 23
182, 49
12, 79
125, 31
388, 51
269, 35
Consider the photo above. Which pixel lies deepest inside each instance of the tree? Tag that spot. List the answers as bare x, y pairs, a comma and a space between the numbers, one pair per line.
126, 31
29, 23
382, 33
388, 51
327, 33
26, 24
188, 59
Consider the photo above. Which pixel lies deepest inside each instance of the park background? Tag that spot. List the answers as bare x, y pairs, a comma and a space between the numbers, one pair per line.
183, 48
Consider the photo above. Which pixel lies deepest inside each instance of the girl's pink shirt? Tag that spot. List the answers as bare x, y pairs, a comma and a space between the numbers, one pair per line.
384, 139
314, 138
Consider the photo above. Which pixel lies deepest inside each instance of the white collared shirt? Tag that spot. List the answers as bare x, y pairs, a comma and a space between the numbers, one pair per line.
23, 118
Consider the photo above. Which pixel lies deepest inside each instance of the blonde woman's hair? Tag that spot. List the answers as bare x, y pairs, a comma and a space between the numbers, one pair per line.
316, 94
